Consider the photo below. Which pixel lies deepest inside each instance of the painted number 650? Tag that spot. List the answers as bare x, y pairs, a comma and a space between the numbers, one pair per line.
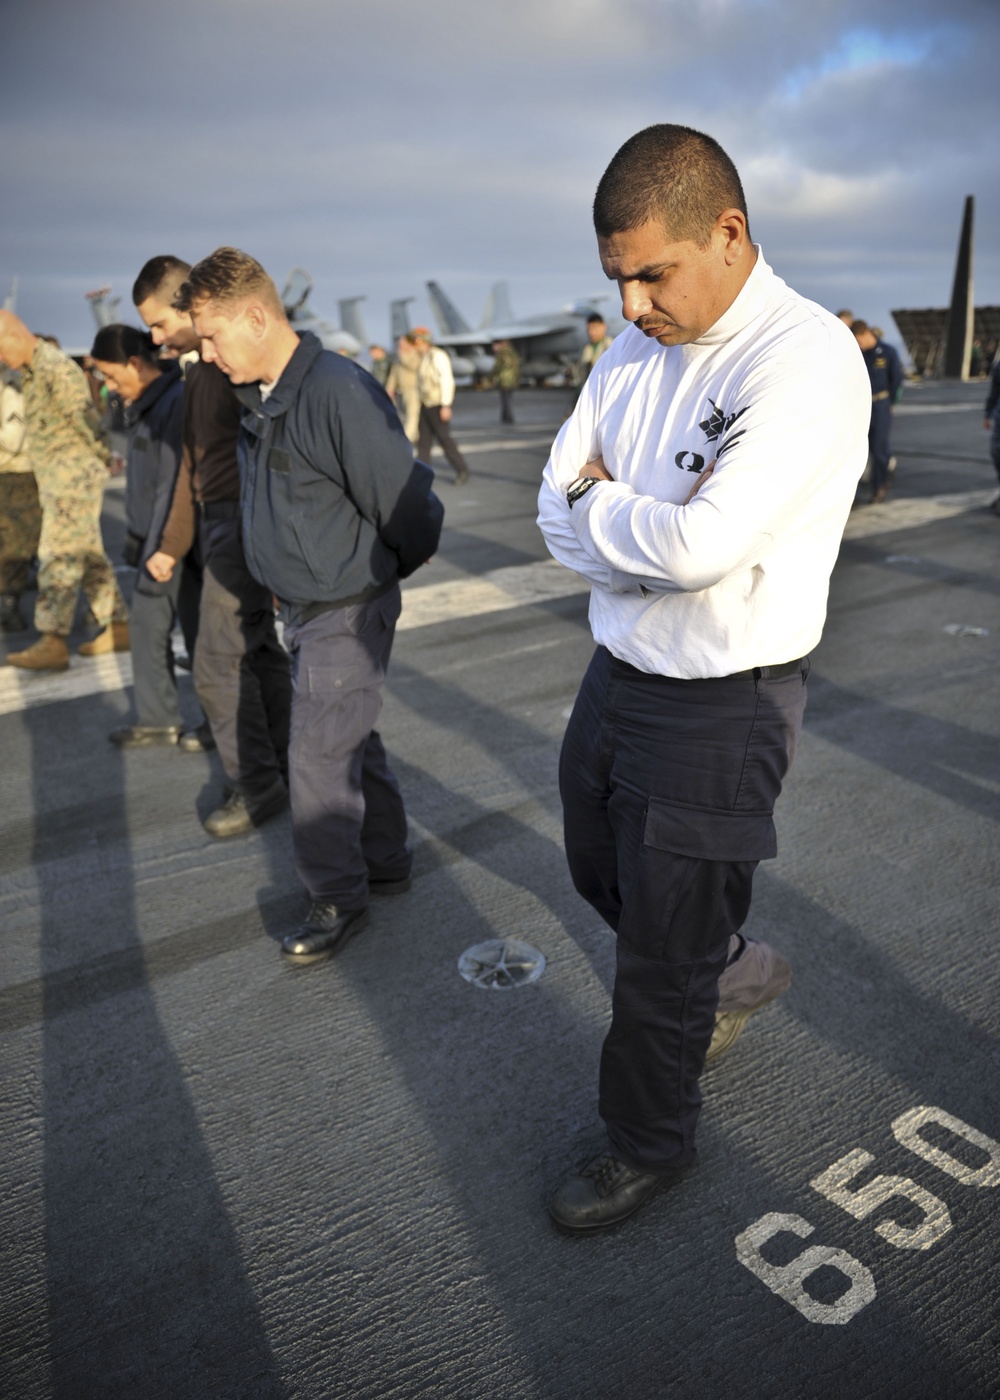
788, 1280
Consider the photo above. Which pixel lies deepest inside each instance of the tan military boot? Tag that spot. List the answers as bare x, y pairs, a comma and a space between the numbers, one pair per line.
49, 653
114, 638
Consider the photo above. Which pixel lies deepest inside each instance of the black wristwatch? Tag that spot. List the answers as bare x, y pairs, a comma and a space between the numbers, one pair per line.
579, 488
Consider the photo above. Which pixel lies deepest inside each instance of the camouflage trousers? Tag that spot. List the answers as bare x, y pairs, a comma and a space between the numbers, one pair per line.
71, 556
20, 523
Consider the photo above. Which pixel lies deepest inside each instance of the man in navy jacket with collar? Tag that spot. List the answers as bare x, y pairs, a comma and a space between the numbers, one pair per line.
334, 513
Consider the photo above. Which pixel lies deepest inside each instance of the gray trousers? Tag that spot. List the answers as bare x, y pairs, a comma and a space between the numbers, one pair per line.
150, 626
347, 812
241, 671
152, 618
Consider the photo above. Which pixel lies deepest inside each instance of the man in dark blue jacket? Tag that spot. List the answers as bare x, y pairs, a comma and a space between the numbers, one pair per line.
334, 513
886, 375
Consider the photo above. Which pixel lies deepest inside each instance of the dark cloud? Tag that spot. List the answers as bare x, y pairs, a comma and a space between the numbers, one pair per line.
383, 144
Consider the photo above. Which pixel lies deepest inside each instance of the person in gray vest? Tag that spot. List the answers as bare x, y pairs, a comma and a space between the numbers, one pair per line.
335, 512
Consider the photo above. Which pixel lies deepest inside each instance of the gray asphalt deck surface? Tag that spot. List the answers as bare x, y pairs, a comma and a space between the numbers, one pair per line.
223, 1177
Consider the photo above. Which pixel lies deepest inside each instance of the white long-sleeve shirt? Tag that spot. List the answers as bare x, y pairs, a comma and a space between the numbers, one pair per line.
777, 391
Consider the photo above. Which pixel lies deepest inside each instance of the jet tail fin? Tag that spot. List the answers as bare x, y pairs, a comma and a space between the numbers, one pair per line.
104, 306
296, 292
450, 320
10, 300
350, 318
399, 318
497, 310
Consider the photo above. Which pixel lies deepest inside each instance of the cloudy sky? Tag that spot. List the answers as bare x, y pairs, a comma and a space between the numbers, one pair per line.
380, 144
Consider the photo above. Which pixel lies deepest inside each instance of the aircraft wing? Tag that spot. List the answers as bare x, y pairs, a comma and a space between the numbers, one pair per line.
516, 330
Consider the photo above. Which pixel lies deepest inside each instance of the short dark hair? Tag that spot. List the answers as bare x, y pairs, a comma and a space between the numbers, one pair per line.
225, 276
859, 327
117, 344
596, 319
161, 275
674, 174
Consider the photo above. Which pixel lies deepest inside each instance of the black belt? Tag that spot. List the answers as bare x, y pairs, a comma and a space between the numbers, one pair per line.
756, 673
305, 612
773, 673
219, 510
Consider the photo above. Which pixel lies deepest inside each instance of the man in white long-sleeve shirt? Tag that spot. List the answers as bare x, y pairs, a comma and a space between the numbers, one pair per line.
701, 486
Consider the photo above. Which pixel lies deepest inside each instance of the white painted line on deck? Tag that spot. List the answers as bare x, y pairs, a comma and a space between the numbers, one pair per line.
506, 444
937, 408
87, 675
908, 514
520, 585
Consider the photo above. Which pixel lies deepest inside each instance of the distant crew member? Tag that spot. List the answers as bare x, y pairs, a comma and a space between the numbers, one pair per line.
991, 422
598, 342
507, 375
241, 672
335, 512
402, 384
381, 365
152, 391
436, 386
847, 317
20, 512
70, 459
886, 375
704, 606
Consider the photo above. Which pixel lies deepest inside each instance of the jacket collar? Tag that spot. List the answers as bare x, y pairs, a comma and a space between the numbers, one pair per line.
285, 392
152, 392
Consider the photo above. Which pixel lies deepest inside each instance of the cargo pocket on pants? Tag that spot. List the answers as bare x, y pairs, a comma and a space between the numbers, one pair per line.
692, 881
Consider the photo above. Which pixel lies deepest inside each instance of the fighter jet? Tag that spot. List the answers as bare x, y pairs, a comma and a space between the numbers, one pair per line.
546, 343
347, 339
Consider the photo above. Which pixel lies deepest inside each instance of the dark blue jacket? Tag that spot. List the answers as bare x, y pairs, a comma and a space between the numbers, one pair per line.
155, 425
884, 370
334, 508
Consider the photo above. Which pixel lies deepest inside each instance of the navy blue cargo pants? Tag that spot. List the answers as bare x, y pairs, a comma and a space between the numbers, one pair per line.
348, 820
879, 432
668, 788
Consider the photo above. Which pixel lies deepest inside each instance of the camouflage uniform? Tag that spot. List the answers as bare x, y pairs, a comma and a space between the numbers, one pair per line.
507, 376
20, 513
70, 462
589, 355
